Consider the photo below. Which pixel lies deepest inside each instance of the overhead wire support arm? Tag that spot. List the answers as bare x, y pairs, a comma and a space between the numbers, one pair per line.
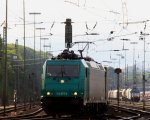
135, 22
30, 23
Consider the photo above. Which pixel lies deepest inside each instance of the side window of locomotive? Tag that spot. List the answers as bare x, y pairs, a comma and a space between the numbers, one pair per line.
53, 70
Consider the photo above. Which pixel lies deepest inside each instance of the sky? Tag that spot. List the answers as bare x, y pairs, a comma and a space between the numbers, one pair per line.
117, 19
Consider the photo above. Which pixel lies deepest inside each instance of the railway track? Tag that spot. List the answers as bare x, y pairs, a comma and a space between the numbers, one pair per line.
39, 115
138, 114
113, 113
26, 114
135, 105
11, 109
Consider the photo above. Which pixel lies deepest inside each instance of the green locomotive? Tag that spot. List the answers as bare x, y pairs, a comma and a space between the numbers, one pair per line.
72, 84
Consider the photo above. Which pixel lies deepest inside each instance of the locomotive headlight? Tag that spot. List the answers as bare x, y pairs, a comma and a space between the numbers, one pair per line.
75, 93
48, 93
62, 81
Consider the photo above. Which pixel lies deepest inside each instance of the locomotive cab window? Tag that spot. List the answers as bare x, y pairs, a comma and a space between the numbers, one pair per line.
62, 70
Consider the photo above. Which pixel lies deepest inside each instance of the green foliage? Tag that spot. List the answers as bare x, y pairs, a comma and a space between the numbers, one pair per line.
16, 79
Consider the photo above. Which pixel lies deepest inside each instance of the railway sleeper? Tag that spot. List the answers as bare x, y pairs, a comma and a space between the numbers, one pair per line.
95, 108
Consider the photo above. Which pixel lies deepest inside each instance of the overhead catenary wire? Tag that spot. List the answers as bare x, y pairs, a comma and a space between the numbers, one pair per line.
86, 8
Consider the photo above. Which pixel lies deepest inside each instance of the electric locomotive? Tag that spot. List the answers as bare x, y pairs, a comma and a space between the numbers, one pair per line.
72, 83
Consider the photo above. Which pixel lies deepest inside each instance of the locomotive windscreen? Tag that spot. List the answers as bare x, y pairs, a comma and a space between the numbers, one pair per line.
62, 70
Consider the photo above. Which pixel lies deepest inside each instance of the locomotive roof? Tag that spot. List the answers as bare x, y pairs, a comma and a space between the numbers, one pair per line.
71, 55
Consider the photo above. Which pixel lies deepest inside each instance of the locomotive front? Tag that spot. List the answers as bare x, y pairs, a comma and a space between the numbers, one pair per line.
63, 86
